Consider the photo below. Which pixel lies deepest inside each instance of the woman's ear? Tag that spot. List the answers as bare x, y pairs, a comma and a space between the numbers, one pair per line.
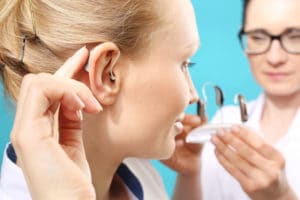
103, 76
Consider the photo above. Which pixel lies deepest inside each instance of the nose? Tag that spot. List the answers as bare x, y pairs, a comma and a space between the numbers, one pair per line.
194, 97
276, 55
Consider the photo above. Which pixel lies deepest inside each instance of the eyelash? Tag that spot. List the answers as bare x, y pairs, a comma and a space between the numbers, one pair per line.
187, 64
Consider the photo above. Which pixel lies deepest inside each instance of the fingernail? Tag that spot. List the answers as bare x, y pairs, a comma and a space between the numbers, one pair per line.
81, 104
196, 119
179, 143
96, 102
80, 51
79, 115
214, 140
235, 129
220, 132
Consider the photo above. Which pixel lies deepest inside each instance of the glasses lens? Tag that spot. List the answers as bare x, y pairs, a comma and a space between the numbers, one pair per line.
291, 41
255, 42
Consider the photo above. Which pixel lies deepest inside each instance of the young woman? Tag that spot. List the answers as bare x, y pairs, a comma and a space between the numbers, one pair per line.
75, 126
261, 159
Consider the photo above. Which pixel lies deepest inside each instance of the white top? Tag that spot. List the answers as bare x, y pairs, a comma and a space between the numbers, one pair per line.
218, 184
13, 185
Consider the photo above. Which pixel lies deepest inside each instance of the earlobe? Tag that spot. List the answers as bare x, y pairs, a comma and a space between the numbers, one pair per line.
104, 81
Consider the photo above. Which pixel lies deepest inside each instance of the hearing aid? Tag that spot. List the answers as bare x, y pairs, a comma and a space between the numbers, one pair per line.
218, 92
201, 105
201, 109
243, 108
219, 96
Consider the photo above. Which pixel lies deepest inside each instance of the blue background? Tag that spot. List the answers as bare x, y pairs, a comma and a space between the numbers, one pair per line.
220, 60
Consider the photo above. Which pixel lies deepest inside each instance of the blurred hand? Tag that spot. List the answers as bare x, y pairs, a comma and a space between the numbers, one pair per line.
257, 165
186, 157
49, 149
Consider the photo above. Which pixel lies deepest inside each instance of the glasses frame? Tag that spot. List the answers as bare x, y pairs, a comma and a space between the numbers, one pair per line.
272, 38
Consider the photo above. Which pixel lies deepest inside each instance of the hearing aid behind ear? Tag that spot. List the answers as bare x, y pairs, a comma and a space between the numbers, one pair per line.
111, 74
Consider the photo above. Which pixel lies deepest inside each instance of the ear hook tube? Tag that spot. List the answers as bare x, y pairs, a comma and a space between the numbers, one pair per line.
204, 90
111, 73
219, 96
243, 108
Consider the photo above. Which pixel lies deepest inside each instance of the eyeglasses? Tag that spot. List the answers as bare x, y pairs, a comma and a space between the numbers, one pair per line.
259, 41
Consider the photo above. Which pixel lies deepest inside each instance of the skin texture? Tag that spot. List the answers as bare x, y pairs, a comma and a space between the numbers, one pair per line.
250, 159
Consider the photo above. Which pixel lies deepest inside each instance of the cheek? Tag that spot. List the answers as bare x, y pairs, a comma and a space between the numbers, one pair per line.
255, 66
164, 92
152, 103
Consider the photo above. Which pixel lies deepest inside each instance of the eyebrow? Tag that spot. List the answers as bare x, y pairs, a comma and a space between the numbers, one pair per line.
266, 31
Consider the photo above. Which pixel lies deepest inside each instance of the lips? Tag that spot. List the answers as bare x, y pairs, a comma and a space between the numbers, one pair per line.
277, 75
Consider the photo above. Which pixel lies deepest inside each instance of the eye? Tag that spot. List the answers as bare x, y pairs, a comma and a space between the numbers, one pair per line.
257, 37
294, 36
187, 64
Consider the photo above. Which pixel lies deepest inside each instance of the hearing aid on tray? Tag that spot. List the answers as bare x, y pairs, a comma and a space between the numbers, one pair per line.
203, 134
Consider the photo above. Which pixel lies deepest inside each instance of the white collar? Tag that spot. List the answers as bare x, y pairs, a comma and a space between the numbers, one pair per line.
12, 180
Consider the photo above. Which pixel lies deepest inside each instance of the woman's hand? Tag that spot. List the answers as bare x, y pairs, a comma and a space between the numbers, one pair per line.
259, 167
186, 158
49, 147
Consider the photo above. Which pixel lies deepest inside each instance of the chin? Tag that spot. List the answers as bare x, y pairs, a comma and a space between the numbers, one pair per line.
281, 92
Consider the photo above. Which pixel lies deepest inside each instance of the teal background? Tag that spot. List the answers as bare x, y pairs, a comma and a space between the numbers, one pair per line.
219, 60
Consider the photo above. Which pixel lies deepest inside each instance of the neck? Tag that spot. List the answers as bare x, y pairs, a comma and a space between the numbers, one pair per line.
104, 158
278, 106
278, 114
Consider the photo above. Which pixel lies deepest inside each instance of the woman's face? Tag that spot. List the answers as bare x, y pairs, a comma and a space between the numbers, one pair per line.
277, 71
157, 87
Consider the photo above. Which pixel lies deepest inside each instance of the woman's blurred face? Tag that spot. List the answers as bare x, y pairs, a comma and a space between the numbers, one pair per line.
277, 71
157, 87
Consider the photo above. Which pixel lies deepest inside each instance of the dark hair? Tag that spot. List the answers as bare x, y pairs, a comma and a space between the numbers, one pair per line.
245, 5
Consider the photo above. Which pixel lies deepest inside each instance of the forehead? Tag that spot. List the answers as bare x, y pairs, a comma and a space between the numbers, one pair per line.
179, 23
273, 15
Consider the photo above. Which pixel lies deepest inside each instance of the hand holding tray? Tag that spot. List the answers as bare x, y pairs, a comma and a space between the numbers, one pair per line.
203, 134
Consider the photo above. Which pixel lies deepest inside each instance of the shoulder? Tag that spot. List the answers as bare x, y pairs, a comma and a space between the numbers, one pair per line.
150, 179
12, 181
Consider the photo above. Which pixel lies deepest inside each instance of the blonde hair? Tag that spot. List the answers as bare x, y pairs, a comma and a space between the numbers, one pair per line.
63, 27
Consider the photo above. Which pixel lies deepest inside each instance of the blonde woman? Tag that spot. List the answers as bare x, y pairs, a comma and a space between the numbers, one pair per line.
75, 126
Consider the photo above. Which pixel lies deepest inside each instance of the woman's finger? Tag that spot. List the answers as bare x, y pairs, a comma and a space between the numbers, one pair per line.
233, 170
257, 143
233, 157
74, 64
244, 150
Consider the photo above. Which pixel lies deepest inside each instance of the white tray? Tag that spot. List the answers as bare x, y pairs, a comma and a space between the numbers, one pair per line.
203, 134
